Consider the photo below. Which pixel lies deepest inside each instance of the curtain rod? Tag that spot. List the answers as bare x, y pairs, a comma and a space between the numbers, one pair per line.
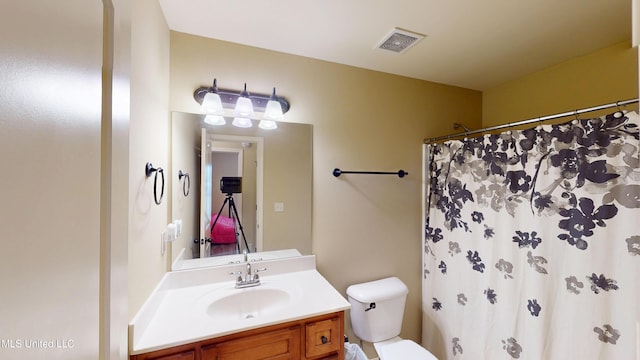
539, 119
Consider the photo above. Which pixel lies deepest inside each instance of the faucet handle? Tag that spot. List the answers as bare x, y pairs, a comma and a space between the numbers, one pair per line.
238, 273
256, 271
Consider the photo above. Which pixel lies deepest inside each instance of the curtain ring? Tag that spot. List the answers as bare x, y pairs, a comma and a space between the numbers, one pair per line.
148, 170
618, 114
577, 119
186, 184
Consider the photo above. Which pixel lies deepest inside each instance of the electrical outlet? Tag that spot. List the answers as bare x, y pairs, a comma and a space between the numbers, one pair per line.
278, 207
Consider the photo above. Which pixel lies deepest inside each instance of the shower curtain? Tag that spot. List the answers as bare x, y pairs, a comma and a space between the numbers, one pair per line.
532, 242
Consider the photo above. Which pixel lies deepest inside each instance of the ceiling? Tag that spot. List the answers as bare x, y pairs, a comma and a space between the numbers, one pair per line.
471, 44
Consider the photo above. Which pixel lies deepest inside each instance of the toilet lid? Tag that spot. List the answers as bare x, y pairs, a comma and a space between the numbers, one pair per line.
403, 350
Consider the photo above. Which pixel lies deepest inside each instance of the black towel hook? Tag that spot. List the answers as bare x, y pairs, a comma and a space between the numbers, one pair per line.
148, 170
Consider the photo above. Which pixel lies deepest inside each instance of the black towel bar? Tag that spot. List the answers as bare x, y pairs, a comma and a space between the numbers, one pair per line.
401, 173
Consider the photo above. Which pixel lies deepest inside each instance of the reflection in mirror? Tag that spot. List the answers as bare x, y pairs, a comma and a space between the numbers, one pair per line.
231, 196
274, 206
181, 264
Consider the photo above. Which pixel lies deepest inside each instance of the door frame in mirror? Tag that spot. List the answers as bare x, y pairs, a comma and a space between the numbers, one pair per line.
259, 143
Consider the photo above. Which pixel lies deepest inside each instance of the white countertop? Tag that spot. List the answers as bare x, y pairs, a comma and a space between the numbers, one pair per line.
176, 313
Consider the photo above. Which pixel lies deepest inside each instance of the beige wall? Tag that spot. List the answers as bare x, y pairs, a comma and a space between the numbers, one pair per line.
602, 77
50, 154
114, 180
185, 134
148, 142
64, 118
364, 227
635, 22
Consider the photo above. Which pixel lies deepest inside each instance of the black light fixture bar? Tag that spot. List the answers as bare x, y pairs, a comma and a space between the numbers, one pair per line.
230, 97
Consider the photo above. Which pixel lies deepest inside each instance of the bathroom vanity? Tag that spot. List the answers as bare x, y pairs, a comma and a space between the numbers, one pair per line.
294, 313
318, 337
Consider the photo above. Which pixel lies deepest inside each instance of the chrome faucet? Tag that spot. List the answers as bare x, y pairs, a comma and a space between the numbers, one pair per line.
251, 277
248, 276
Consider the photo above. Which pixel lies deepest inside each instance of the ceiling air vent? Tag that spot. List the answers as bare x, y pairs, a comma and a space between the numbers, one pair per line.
399, 40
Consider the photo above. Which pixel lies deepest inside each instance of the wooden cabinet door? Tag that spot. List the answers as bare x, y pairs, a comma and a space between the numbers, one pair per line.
322, 337
275, 345
189, 355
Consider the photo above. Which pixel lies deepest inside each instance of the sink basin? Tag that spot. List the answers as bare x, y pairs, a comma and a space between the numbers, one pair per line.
249, 303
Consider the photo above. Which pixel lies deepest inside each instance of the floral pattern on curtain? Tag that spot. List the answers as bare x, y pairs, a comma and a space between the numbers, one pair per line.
532, 242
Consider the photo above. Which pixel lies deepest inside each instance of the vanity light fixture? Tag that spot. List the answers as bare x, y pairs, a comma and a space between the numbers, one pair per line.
242, 122
244, 105
212, 106
243, 111
272, 113
214, 119
212, 103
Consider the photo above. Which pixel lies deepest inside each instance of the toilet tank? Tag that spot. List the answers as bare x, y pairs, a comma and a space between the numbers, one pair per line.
377, 308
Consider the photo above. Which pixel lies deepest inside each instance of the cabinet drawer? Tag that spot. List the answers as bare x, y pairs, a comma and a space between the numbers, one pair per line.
322, 337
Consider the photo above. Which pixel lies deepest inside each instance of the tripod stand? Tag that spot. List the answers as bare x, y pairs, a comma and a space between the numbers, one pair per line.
233, 214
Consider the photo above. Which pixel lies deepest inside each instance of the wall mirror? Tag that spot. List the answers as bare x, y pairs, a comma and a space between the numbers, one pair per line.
273, 206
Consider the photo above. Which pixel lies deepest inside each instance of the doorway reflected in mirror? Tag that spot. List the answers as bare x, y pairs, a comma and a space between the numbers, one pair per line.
274, 206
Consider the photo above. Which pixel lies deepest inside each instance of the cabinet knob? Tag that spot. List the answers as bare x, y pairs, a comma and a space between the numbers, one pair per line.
324, 339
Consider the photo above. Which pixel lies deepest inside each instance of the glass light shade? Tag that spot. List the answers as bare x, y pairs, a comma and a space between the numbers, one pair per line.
273, 111
214, 120
212, 104
244, 108
242, 122
267, 125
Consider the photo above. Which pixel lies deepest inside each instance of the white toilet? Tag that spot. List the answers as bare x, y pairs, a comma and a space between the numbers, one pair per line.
377, 308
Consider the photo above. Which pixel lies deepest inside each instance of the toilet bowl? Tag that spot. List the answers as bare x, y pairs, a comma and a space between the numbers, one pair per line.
400, 349
377, 308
